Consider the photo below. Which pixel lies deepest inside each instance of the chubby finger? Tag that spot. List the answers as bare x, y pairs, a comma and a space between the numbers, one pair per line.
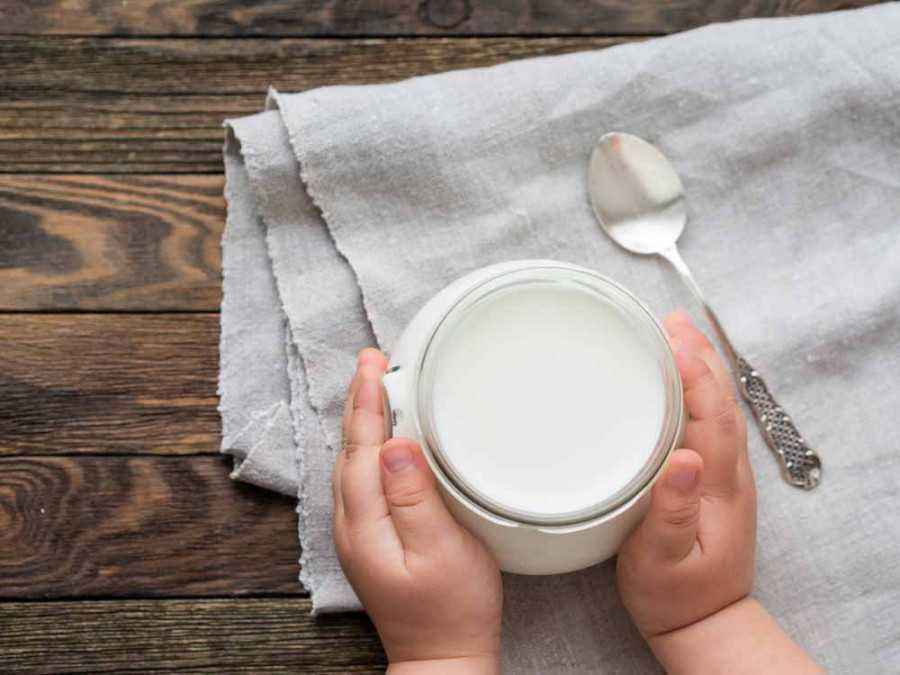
670, 527
357, 474
703, 396
685, 336
420, 516
369, 364
713, 429
364, 419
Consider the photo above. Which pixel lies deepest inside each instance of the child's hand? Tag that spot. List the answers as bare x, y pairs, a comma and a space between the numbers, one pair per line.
694, 553
431, 588
686, 572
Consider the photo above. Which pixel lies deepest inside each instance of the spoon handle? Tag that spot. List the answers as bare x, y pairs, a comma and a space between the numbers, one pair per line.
800, 464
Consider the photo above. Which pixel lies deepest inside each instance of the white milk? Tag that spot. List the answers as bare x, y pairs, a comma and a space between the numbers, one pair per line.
546, 400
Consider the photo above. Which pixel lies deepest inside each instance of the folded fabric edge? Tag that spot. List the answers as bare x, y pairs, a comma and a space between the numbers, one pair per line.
328, 594
262, 454
270, 462
242, 137
307, 578
241, 444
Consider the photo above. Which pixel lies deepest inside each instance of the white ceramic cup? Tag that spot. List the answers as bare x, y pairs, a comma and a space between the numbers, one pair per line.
522, 546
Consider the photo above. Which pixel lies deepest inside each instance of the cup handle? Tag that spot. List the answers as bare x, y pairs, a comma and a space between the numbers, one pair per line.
394, 400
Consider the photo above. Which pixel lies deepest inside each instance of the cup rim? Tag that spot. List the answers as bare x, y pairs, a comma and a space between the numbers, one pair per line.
613, 291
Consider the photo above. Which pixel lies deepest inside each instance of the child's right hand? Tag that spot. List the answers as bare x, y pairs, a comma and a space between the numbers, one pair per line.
694, 553
686, 572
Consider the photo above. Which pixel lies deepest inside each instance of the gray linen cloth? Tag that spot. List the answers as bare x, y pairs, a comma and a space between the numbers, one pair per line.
348, 207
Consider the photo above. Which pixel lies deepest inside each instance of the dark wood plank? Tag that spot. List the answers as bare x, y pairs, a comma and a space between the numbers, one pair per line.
108, 383
110, 243
203, 67
140, 526
74, 105
221, 636
395, 17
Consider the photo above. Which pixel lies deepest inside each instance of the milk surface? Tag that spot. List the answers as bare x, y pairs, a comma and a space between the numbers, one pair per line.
546, 399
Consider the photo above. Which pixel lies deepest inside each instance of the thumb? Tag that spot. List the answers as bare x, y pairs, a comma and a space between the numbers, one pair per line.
671, 524
417, 510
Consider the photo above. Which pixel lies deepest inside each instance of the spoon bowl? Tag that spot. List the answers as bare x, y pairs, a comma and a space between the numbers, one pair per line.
636, 194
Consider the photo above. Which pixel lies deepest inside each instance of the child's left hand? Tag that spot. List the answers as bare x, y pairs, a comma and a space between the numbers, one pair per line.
432, 590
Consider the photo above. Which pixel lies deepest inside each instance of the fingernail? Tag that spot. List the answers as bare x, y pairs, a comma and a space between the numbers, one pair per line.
396, 457
682, 479
676, 342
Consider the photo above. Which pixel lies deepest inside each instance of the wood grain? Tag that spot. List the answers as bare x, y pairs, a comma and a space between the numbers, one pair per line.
108, 383
140, 526
391, 17
110, 243
221, 636
94, 105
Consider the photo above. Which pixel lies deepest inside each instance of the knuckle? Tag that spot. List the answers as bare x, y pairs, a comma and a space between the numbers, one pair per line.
681, 515
703, 379
706, 378
365, 426
726, 420
708, 353
352, 450
406, 494
360, 417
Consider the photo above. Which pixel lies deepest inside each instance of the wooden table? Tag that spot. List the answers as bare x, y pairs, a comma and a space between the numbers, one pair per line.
124, 546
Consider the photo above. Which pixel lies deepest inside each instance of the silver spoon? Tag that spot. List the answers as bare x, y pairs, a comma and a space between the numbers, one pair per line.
639, 200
